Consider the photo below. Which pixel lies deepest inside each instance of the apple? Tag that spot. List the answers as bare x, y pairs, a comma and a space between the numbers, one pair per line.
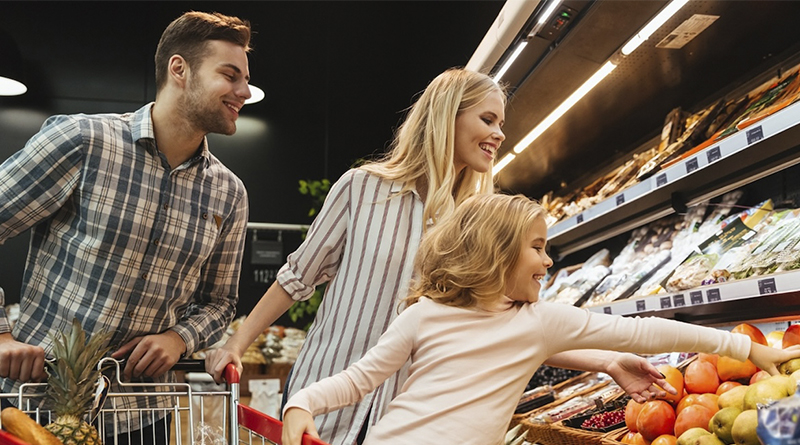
760, 375
791, 336
751, 331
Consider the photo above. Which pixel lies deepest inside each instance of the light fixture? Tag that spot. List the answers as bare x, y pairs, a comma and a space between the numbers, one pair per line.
652, 26
564, 107
11, 68
641, 36
502, 163
510, 60
256, 95
547, 13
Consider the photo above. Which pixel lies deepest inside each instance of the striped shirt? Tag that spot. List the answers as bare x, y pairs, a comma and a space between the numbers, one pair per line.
119, 239
364, 241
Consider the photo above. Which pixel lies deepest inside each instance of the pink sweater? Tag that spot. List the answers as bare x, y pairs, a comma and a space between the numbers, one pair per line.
470, 367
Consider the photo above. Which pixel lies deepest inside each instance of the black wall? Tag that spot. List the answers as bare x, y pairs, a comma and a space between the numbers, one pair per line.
337, 77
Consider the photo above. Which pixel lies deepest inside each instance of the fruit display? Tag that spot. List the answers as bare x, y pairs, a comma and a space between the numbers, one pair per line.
684, 134
720, 400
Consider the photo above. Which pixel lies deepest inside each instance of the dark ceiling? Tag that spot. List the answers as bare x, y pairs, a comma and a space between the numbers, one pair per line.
629, 107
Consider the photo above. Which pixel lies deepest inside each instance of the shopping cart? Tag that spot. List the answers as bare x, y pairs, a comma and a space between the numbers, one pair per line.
190, 411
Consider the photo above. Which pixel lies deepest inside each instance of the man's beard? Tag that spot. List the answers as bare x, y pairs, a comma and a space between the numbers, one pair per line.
203, 115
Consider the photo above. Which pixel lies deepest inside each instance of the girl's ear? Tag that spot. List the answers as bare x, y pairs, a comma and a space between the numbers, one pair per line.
178, 69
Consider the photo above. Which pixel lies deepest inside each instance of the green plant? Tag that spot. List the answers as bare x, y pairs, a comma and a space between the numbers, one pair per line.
306, 310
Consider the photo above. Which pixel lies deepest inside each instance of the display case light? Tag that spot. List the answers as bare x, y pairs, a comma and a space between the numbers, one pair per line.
651, 27
503, 162
510, 60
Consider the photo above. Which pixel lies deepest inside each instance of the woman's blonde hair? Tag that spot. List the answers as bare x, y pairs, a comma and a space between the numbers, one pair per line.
424, 144
464, 260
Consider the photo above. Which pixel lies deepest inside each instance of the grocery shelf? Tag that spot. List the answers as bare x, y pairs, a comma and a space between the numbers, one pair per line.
759, 150
757, 298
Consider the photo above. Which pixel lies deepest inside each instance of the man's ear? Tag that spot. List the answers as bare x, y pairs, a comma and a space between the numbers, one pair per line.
178, 69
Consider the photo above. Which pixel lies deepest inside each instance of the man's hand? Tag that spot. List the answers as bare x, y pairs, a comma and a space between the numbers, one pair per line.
151, 355
21, 361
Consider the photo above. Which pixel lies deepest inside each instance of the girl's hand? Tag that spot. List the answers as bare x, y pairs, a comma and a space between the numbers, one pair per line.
297, 421
638, 377
768, 358
218, 359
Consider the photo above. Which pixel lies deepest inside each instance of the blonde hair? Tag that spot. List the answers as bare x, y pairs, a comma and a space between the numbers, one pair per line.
423, 146
464, 260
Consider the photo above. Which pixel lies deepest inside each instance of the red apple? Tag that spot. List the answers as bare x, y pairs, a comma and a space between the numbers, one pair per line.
791, 336
751, 331
760, 375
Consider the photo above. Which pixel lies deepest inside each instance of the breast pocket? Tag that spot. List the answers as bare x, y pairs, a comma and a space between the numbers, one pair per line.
196, 232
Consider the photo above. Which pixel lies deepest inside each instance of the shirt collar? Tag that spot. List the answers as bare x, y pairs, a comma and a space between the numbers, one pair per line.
141, 123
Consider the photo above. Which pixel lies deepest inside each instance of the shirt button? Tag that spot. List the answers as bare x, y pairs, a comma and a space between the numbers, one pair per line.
205, 215
144, 275
130, 314
155, 242
166, 206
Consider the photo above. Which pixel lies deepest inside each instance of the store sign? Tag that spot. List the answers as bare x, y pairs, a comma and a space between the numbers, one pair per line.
267, 253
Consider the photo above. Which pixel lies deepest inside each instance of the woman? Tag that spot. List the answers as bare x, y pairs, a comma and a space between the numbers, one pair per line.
366, 236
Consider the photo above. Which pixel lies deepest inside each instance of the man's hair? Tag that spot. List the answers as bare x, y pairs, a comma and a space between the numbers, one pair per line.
465, 259
189, 34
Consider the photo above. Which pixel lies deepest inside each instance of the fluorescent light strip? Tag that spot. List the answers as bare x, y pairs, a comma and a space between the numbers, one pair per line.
510, 60
564, 107
548, 12
11, 87
503, 162
652, 26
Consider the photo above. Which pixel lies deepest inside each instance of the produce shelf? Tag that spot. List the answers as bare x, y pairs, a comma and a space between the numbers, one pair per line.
757, 298
759, 150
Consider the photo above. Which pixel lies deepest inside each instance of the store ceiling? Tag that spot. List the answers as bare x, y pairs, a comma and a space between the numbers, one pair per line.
627, 109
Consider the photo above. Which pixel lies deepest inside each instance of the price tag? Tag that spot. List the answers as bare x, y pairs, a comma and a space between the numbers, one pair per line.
607, 310
579, 218
620, 199
692, 165
640, 306
713, 295
767, 286
696, 297
678, 301
714, 154
755, 135
666, 302
661, 180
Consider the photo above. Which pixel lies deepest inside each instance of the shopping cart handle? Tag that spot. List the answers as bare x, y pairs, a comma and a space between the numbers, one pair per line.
190, 365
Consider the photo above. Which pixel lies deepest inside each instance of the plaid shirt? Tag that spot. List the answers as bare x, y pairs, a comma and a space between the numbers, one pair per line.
119, 239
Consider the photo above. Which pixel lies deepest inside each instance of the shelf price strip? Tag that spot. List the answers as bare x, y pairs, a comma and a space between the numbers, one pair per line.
755, 135
714, 154
767, 286
692, 165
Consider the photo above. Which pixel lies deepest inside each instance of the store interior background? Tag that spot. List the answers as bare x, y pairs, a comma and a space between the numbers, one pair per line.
337, 75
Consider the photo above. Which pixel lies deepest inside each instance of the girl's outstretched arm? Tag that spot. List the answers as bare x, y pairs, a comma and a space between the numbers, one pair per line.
297, 421
638, 377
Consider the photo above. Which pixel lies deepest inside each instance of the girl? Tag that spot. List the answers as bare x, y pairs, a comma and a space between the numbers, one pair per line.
475, 333
365, 238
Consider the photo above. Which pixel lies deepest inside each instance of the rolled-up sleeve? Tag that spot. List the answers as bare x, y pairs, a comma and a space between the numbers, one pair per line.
318, 257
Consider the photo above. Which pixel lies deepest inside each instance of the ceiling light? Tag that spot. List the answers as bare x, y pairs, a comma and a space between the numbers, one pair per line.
652, 26
548, 12
256, 95
510, 60
11, 68
502, 163
564, 107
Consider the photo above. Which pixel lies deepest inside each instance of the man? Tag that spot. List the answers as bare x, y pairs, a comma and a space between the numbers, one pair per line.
137, 228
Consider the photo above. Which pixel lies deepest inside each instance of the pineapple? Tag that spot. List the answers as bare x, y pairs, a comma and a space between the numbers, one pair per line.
71, 383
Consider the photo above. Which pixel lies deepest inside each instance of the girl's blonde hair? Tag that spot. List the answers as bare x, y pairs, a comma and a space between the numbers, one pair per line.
423, 145
464, 260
